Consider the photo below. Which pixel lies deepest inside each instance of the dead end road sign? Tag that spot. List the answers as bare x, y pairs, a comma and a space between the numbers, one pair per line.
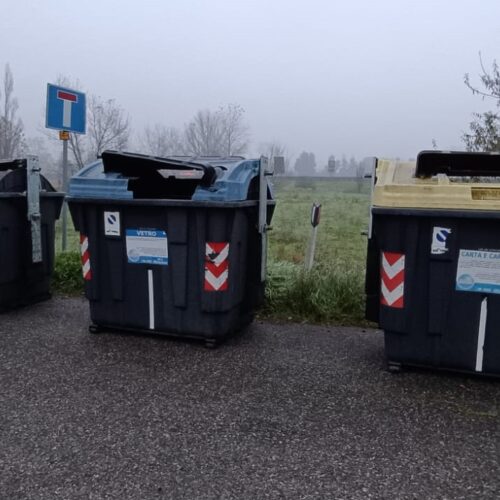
65, 109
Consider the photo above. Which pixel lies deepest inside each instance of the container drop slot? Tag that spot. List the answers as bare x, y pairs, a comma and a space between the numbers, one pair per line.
458, 164
154, 177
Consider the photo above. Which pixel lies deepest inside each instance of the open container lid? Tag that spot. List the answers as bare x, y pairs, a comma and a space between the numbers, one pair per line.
440, 180
120, 175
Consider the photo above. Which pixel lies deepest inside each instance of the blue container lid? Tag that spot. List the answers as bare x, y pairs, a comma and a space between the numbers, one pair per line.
124, 176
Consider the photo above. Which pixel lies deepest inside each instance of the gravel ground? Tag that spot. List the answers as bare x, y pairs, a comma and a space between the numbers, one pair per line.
283, 411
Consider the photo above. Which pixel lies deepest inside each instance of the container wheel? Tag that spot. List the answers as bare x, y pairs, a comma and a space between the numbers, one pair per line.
94, 329
394, 367
210, 343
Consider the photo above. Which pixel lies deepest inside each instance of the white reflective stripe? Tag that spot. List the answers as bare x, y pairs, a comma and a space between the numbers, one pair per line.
481, 334
85, 268
392, 296
84, 245
151, 297
216, 283
221, 257
394, 269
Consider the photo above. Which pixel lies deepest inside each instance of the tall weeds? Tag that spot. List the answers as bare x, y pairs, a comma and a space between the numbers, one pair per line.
326, 294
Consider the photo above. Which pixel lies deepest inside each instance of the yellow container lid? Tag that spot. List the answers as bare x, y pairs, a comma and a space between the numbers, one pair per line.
440, 180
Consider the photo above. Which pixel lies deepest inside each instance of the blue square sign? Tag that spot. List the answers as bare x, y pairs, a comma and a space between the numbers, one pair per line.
66, 109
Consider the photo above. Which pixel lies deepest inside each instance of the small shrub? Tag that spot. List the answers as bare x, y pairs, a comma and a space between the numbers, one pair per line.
67, 277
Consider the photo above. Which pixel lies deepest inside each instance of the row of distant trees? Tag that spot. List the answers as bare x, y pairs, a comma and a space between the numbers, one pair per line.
306, 165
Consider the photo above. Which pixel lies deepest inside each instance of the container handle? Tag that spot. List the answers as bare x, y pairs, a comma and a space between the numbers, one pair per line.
264, 170
12, 164
33, 202
457, 164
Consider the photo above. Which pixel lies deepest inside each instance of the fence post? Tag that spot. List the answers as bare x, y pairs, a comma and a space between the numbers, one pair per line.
311, 249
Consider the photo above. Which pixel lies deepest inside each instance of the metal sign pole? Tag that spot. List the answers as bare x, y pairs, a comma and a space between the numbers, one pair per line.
64, 136
65, 111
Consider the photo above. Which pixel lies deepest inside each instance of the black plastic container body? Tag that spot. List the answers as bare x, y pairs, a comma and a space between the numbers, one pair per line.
429, 308
23, 282
177, 294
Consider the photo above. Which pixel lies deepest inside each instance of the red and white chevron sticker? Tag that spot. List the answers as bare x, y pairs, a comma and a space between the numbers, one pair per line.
84, 249
392, 279
216, 266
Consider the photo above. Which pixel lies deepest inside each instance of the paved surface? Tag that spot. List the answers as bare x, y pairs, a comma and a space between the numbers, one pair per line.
285, 411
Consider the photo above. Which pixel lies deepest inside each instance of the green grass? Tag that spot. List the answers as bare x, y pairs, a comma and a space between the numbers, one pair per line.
72, 237
332, 292
344, 215
67, 277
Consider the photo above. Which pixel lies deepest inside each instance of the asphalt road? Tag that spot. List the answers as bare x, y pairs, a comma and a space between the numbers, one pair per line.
284, 411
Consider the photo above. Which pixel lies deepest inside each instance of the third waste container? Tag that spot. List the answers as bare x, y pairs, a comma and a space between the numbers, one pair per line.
433, 273
172, 245
29, 208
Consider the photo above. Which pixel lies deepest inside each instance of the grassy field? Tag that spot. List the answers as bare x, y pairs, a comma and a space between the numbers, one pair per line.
333, 291
344, 215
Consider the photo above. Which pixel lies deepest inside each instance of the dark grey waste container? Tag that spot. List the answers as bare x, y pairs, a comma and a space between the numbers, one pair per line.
172, 245
433, 273
29, 208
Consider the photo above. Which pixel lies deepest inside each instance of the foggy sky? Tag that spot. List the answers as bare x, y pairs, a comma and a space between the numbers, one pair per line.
355, 77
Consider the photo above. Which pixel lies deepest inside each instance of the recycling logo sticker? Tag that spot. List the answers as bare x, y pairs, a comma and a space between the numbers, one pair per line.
112, 223
439, 239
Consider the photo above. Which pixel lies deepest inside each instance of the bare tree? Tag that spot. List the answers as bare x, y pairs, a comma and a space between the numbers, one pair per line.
217, 133
108, 126
234, 130
11, 127
77, 145
272, 149
485, 128
160, 140
204, 135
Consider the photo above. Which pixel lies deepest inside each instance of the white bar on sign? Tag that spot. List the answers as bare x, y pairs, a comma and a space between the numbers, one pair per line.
481, 334
67, 113
151, 297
